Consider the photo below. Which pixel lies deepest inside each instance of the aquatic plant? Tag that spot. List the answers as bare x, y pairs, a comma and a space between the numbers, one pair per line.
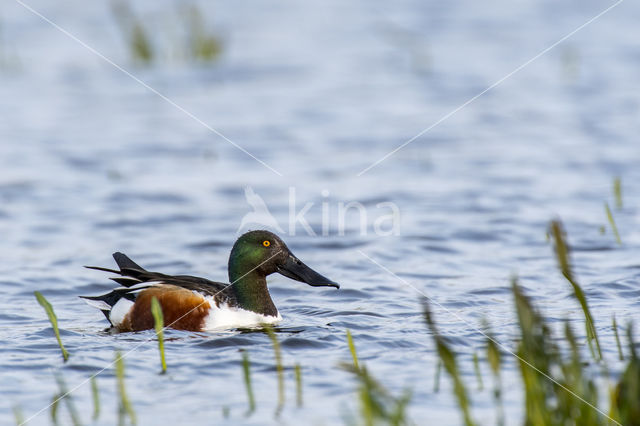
124, 404
627, 391
64, 395
494, 358
95, 396
55, 400
199, 44
18, 415
297, 370
537, 355
615, 332
352, 349
612, 222
53, 319
203, 46
476, 368
158, 322
246, 370
617, 192
436, 377
559, 387
377, 404
279, 368
562, 255
134, 32
447, 357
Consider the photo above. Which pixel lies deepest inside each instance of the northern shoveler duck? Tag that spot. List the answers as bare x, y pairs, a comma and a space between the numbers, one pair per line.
197, 304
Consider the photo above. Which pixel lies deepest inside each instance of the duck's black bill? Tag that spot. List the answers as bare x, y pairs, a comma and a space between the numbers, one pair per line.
296, 270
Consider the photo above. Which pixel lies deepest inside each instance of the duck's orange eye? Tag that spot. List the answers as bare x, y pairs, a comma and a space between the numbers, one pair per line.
266, 243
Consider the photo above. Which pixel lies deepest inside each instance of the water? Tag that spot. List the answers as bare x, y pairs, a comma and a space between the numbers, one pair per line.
93, 162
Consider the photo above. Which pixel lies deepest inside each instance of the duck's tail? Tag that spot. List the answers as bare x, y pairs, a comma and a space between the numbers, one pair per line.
106, 302
129, 271
129, 276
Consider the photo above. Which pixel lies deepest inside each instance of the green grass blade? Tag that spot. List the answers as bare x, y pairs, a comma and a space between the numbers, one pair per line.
298, 373
246, 369
279, 367
451, 367
562, 254
368, 406
18, 415
134, 33
617, 192
476, 367
615, 332
203, 46
632, 346
53, 320
493, 355
158, 321
436, 379
65, 395
377, 405
352, 349
140, 43
627, 392
612, 222
613, 414
55, 402
538, 350
124, 406
96, 398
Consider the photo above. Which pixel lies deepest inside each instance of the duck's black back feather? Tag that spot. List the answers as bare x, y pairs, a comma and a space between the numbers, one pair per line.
124, 261
132, 274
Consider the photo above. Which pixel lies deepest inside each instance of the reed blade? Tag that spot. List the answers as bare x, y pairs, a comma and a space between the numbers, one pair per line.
96, 398
627, 393
450, 365
494, 358
158, 323
298, 373
377, 404
53, 319
476, 367
65, 395
615, 332
246, 370
134, 32
436, 379
617, 192
55, 402
18, 415
203, 46
562, 255
612, 222
279, 368
352, 349
124, 405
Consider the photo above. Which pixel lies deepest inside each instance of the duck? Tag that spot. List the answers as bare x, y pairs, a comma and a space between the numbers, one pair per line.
198, 304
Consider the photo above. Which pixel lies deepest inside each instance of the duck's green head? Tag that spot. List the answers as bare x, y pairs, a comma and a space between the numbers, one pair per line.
264, 253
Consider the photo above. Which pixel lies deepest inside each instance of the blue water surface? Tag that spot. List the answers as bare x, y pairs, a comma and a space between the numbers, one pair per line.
92, 162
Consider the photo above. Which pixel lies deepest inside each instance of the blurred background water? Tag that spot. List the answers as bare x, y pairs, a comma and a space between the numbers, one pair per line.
92, 162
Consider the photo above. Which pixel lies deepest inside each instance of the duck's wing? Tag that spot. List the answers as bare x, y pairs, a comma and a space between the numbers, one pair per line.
133, 275
136, 279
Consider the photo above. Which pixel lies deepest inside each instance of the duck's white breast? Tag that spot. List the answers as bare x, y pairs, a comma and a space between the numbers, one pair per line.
224, 316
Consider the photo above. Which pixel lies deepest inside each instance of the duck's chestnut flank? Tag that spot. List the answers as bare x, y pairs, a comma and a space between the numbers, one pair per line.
182, 308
